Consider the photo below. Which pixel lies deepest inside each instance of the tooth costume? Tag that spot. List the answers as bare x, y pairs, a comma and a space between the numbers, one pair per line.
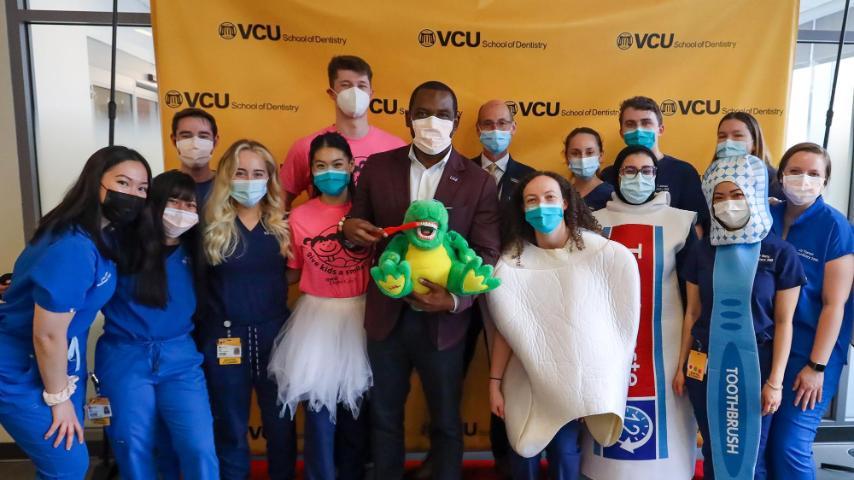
571, 318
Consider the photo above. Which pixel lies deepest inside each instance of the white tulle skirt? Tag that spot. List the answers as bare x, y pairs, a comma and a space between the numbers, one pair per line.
320, 357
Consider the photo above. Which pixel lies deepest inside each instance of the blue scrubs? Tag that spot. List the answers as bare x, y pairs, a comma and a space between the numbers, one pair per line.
599, 196
248, 300
778, 269
203, 190
678, 177
821, 234
150, 370
62, 273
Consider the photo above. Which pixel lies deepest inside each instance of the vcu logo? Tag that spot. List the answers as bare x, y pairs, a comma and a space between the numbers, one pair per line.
625, 40
668, 107
257, 31
227, 30
454, 38
691, 107
535, 108
383, 105
175, 99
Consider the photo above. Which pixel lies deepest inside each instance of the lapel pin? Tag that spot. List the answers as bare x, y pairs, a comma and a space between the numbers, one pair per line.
514, 180
454, 179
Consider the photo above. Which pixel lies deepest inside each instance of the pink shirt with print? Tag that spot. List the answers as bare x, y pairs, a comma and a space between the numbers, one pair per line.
328, 269
295, 173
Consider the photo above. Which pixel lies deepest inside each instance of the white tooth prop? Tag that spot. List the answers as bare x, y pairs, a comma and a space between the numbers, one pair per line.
571, 317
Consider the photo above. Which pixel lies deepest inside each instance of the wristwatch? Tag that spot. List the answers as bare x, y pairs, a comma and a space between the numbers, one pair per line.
818, 367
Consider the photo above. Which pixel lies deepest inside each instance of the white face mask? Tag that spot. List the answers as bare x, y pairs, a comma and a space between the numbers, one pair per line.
802, 189
195, 151
177, 221
353, 102
432, 134
732, 214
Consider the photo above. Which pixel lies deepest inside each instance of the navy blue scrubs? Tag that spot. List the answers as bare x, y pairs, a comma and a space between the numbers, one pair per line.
678, 177
247, 300
599, 196
150, 370
821, 234
62, 273
778, 269
203, 190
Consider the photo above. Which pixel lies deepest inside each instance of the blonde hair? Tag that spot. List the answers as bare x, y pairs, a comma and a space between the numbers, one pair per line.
221, 236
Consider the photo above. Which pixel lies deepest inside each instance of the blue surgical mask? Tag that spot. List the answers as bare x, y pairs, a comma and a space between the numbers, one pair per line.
248, 192
638, 189
545, 217
496, 141
641, 136
731, 148
584, 167
332, 182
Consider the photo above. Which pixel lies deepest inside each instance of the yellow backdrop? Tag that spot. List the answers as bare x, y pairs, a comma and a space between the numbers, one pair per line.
260, 68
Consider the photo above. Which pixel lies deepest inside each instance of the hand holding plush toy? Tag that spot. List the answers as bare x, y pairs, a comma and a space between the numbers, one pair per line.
428, 250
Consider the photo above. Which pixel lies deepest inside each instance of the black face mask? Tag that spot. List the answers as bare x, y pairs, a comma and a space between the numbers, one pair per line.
121, 208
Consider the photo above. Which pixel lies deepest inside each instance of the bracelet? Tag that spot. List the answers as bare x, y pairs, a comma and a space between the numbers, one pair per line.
496, 379
52, 399
341, 222
773, 387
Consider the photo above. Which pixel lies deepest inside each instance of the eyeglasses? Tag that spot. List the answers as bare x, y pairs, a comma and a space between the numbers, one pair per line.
632, 172
500, 124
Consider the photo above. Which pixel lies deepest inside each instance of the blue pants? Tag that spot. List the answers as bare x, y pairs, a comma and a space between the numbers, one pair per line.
321, 452
563, 454
27, 418
230, 388
150, 386
697, 394
791, 439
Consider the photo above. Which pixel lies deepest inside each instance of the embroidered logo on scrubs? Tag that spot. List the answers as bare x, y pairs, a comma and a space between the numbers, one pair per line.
808, 255
74, 353
104, 279
326, 252
763, 258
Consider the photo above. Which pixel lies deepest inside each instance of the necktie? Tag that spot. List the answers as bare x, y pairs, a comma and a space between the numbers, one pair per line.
493, 170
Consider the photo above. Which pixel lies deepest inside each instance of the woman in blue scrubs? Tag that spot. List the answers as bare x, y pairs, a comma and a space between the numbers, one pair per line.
147, 362
64, 276
583, 152
246, 242
776, 285
823, 319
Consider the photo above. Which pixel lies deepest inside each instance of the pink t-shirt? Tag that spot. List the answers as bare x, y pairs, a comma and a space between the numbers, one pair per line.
328, 269
295, 173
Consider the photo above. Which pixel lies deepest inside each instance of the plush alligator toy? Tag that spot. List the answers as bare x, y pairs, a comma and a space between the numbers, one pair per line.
428, 250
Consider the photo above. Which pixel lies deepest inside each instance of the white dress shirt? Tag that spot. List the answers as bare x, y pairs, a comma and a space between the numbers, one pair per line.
423, 182
501, 166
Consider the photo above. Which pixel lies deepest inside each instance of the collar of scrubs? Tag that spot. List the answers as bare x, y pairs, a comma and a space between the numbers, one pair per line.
660, 200
750, 174
810, 212
501, 162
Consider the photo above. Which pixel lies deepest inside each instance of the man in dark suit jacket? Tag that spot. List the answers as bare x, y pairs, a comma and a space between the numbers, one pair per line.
424, 331
496, 128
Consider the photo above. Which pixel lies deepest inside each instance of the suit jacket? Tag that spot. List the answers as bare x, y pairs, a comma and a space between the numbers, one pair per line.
382, 197
512, 177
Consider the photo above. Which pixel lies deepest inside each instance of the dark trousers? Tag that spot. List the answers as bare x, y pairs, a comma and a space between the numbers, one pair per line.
562, 453
352, 442
497, 431
230, 388
697, 394
441, 371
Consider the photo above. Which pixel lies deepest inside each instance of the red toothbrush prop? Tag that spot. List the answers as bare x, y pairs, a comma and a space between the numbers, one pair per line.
406, 226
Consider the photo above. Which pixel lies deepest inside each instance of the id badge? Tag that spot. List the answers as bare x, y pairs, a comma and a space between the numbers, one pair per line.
98, 411
697, 362
228, 351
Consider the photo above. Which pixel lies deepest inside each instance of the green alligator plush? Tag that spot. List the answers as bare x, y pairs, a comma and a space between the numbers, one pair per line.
431, 252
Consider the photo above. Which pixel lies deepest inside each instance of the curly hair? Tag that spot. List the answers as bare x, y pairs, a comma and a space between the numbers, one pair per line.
515, 230
221, 236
